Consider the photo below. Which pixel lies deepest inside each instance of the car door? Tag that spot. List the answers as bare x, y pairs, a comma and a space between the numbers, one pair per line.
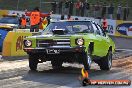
98, 41
105, 40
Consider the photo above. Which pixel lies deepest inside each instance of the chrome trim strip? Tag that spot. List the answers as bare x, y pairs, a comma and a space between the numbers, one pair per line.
62, 42
43, 43
61, 39
35, 48
60, 46
49, 47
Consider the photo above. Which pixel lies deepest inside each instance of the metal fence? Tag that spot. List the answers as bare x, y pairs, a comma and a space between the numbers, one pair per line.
46, 6
91, 12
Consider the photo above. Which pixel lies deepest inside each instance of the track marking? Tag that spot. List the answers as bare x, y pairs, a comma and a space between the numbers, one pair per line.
125, 50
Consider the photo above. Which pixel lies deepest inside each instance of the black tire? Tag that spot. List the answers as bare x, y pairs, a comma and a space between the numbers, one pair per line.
56, 64
33, 62
105, 63
87, 59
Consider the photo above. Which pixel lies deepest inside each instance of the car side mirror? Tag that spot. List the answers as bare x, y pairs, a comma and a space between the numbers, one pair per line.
104, 32
0, 36
98, 32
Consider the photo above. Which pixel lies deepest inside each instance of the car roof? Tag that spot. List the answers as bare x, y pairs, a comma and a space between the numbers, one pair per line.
72, 21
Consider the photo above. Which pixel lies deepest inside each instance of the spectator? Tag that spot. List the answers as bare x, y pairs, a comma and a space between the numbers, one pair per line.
96, 9
43, 23
82, 9
18, 15
77, 6
92, 10
127, 11
111, 11
71, 7
119, 12
104, 24
62, 17
69, 17
19, 18
48, 19
60, 6
35, 19
87, 8
23, 22
76, 19
103, 10
66, 7
54, 5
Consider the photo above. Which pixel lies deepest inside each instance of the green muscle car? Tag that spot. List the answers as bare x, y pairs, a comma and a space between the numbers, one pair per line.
70, 41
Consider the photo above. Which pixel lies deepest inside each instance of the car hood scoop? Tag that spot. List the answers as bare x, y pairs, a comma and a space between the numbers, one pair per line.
58, 31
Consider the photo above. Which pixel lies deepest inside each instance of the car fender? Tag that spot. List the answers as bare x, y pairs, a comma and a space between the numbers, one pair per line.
87, 45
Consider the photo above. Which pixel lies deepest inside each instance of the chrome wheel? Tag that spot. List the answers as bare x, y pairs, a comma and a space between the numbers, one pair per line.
89, 60
105, 63
110, 59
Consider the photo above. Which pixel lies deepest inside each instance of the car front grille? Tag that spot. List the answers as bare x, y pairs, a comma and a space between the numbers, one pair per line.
53, 42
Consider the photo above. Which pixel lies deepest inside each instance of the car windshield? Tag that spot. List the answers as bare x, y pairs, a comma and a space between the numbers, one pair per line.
70, 27
9, 20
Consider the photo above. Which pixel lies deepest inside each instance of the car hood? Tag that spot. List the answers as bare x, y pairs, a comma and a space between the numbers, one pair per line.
51, 36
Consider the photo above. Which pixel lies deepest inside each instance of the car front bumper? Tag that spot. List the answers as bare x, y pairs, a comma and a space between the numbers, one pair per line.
60, 49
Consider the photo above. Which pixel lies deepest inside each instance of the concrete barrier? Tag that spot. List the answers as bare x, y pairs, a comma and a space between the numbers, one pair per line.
122, 42
21, 30
3, 12
13, 44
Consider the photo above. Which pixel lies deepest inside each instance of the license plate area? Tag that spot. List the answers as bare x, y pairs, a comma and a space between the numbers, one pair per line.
53, 51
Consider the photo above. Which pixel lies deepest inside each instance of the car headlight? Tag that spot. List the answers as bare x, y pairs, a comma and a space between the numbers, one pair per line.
80, 41
27, 43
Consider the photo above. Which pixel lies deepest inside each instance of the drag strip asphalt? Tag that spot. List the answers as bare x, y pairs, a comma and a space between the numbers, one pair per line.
15, 73
122, 42
66, 77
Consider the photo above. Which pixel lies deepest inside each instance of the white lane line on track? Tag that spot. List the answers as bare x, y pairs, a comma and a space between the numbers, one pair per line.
124, 49
64, 87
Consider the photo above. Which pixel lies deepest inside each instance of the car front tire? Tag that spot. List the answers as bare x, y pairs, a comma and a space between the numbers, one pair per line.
56, 64
105, 63
87, 60
33, 62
